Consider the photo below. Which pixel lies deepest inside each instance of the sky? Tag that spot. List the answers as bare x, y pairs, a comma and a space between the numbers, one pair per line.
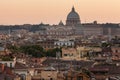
52, 11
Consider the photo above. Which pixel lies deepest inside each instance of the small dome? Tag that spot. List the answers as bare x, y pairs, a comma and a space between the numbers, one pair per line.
61, 23
73, 15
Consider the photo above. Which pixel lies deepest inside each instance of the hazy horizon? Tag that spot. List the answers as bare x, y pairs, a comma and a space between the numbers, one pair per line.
52, 11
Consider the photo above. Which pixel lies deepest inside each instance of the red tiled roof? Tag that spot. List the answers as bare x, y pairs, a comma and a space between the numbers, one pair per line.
99, 69
20, 66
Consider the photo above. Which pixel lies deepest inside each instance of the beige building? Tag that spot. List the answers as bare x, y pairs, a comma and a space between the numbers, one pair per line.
116, 51
4, 51
79, 53
69, 53
85, 52
49, 75
59, 31
92, 29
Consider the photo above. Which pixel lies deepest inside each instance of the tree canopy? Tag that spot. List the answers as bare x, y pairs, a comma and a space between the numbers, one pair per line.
34, 50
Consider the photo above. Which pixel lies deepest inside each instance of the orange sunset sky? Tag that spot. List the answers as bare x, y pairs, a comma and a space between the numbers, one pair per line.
52, 11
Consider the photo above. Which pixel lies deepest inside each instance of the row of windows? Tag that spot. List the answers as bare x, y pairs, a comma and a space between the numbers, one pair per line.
70, 44
68, 54
60, 32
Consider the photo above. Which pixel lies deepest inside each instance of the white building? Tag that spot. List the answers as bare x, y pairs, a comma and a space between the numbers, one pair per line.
9, 63
63, 43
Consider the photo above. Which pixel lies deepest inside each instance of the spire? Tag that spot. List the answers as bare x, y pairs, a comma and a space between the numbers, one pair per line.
73, 9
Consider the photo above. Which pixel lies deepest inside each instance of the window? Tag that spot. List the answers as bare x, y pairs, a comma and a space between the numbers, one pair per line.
80, 78
116, 51
65, 54
11, 65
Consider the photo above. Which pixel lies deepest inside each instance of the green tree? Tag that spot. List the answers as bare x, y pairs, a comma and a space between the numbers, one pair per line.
13, 49
53, 52
34, 50
105, 44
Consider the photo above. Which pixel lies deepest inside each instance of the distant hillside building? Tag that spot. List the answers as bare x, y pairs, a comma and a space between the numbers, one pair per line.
73, 27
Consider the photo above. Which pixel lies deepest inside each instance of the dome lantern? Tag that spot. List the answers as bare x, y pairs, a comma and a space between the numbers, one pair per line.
73, 9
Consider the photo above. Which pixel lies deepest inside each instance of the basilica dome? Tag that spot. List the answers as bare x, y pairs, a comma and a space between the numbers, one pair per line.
73, 18
73, 14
